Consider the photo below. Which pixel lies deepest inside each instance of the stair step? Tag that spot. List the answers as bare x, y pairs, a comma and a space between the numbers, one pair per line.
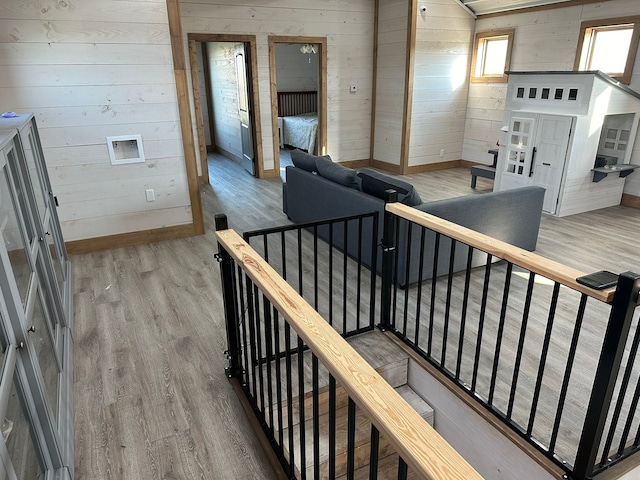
362, 441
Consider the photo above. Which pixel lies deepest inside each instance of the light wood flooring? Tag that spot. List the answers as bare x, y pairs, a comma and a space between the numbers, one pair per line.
151, 398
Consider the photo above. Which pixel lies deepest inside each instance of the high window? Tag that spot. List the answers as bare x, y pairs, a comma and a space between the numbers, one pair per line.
492, 56
609, 46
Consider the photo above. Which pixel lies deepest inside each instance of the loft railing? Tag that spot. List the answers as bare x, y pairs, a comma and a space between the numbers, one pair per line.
267, 319
540, 351
552, 359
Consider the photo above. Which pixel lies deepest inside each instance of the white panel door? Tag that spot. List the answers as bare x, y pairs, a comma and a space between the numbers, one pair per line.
550, 153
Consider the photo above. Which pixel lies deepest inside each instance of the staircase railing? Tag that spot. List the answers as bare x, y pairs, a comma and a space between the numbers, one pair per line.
267, 318
551, 358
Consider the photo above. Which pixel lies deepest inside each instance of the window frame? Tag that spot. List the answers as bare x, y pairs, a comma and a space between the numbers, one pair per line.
607, 23
482, 37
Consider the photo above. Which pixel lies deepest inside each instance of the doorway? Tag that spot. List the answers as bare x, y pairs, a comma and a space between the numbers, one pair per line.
226, 106
298, 73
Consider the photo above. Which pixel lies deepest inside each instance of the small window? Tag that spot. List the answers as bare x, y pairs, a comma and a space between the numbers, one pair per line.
520, 93
545, 93
492, 56
609, 46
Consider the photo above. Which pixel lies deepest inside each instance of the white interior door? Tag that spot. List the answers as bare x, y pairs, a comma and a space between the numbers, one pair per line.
550, 153
519, 151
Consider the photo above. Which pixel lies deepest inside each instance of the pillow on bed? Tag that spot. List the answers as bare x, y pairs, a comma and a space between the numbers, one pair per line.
306, 161
375, 183
337, 173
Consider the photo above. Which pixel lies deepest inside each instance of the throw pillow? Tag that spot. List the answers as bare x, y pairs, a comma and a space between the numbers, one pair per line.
337, 173
305, 161
375, 183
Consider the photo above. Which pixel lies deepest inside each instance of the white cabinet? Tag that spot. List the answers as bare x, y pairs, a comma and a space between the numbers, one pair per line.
559, 126
36, 314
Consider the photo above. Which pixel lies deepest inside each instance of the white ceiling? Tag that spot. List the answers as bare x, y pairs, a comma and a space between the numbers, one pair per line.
484, 7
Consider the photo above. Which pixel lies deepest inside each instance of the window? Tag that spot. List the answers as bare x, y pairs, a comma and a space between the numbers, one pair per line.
609, 46
492, 56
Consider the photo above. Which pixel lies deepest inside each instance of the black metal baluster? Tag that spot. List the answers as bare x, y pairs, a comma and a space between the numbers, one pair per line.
300, 270
463, 315
447, 308
344, 278
330, 300
388, 244
316, 417
416, 336
407, 270
374, 453
543, 356
402, 469
351, 439
315, 268
270, 357
332, 427
289, 380
483, 311
283, 247
503, 315
359, 275
629, 422
256, 297
301, 410
374, 262
278, 382
243, 324
434, 282
252, 339
521, 339
567, 372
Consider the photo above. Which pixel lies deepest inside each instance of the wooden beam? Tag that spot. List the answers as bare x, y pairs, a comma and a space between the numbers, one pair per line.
182, 89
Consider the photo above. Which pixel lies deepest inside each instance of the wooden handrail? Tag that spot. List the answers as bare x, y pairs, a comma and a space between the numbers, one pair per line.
531, 261
420, 446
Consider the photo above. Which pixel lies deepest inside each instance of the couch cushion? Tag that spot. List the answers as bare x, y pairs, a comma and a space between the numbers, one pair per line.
306, 161
337, 173
376, 183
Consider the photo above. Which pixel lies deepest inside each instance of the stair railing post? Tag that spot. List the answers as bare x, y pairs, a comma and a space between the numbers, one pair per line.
234, 350
388, 257
623, 306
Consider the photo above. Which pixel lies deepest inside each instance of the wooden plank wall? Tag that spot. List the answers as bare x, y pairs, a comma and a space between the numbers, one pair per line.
224, 89
444, 37
348, 27
390, 81
294, 71
544, 40
89, 70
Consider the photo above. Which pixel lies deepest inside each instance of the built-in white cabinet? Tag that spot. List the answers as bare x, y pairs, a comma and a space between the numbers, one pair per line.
571, 133
36, 314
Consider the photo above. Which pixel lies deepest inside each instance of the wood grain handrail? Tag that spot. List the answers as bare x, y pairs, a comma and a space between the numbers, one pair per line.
420, 446
531, 261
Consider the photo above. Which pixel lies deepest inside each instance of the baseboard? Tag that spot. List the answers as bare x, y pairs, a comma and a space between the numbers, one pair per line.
630, 200
432, 167
228, 154
211, 149
130, 239
387, 167
356, 163
469, 164
271, 173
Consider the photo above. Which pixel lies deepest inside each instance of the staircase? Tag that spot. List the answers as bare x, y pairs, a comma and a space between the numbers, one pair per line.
391, 362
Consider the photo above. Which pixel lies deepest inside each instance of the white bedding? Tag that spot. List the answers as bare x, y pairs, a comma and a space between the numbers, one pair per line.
301, 131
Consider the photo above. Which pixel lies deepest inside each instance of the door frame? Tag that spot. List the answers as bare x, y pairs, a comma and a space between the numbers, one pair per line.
322, 91
251, 42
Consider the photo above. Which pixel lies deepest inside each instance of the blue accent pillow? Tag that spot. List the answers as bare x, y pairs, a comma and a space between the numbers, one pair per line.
375, 183
306, 161
337, 173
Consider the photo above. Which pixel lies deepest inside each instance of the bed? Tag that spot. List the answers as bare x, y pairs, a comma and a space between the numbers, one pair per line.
298, 119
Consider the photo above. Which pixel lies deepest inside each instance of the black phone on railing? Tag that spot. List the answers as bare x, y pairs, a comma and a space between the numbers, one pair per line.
599, 280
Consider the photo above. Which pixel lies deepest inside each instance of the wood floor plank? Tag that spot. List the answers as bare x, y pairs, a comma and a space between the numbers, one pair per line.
153, 315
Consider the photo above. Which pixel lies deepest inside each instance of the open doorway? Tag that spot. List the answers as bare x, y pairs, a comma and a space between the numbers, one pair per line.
226, 107
298, 70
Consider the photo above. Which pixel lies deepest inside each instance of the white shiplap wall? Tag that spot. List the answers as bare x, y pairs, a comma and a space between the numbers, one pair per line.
348, 27
224, 95
390, 80
444, 36
544, 40
89, 70
295, 71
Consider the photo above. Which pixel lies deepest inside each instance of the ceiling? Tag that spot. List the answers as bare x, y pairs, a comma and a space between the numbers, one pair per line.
485, 7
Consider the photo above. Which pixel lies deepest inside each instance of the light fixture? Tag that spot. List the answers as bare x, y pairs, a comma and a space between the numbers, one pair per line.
309, 48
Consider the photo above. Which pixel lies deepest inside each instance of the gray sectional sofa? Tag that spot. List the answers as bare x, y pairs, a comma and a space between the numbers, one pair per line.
318, 189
